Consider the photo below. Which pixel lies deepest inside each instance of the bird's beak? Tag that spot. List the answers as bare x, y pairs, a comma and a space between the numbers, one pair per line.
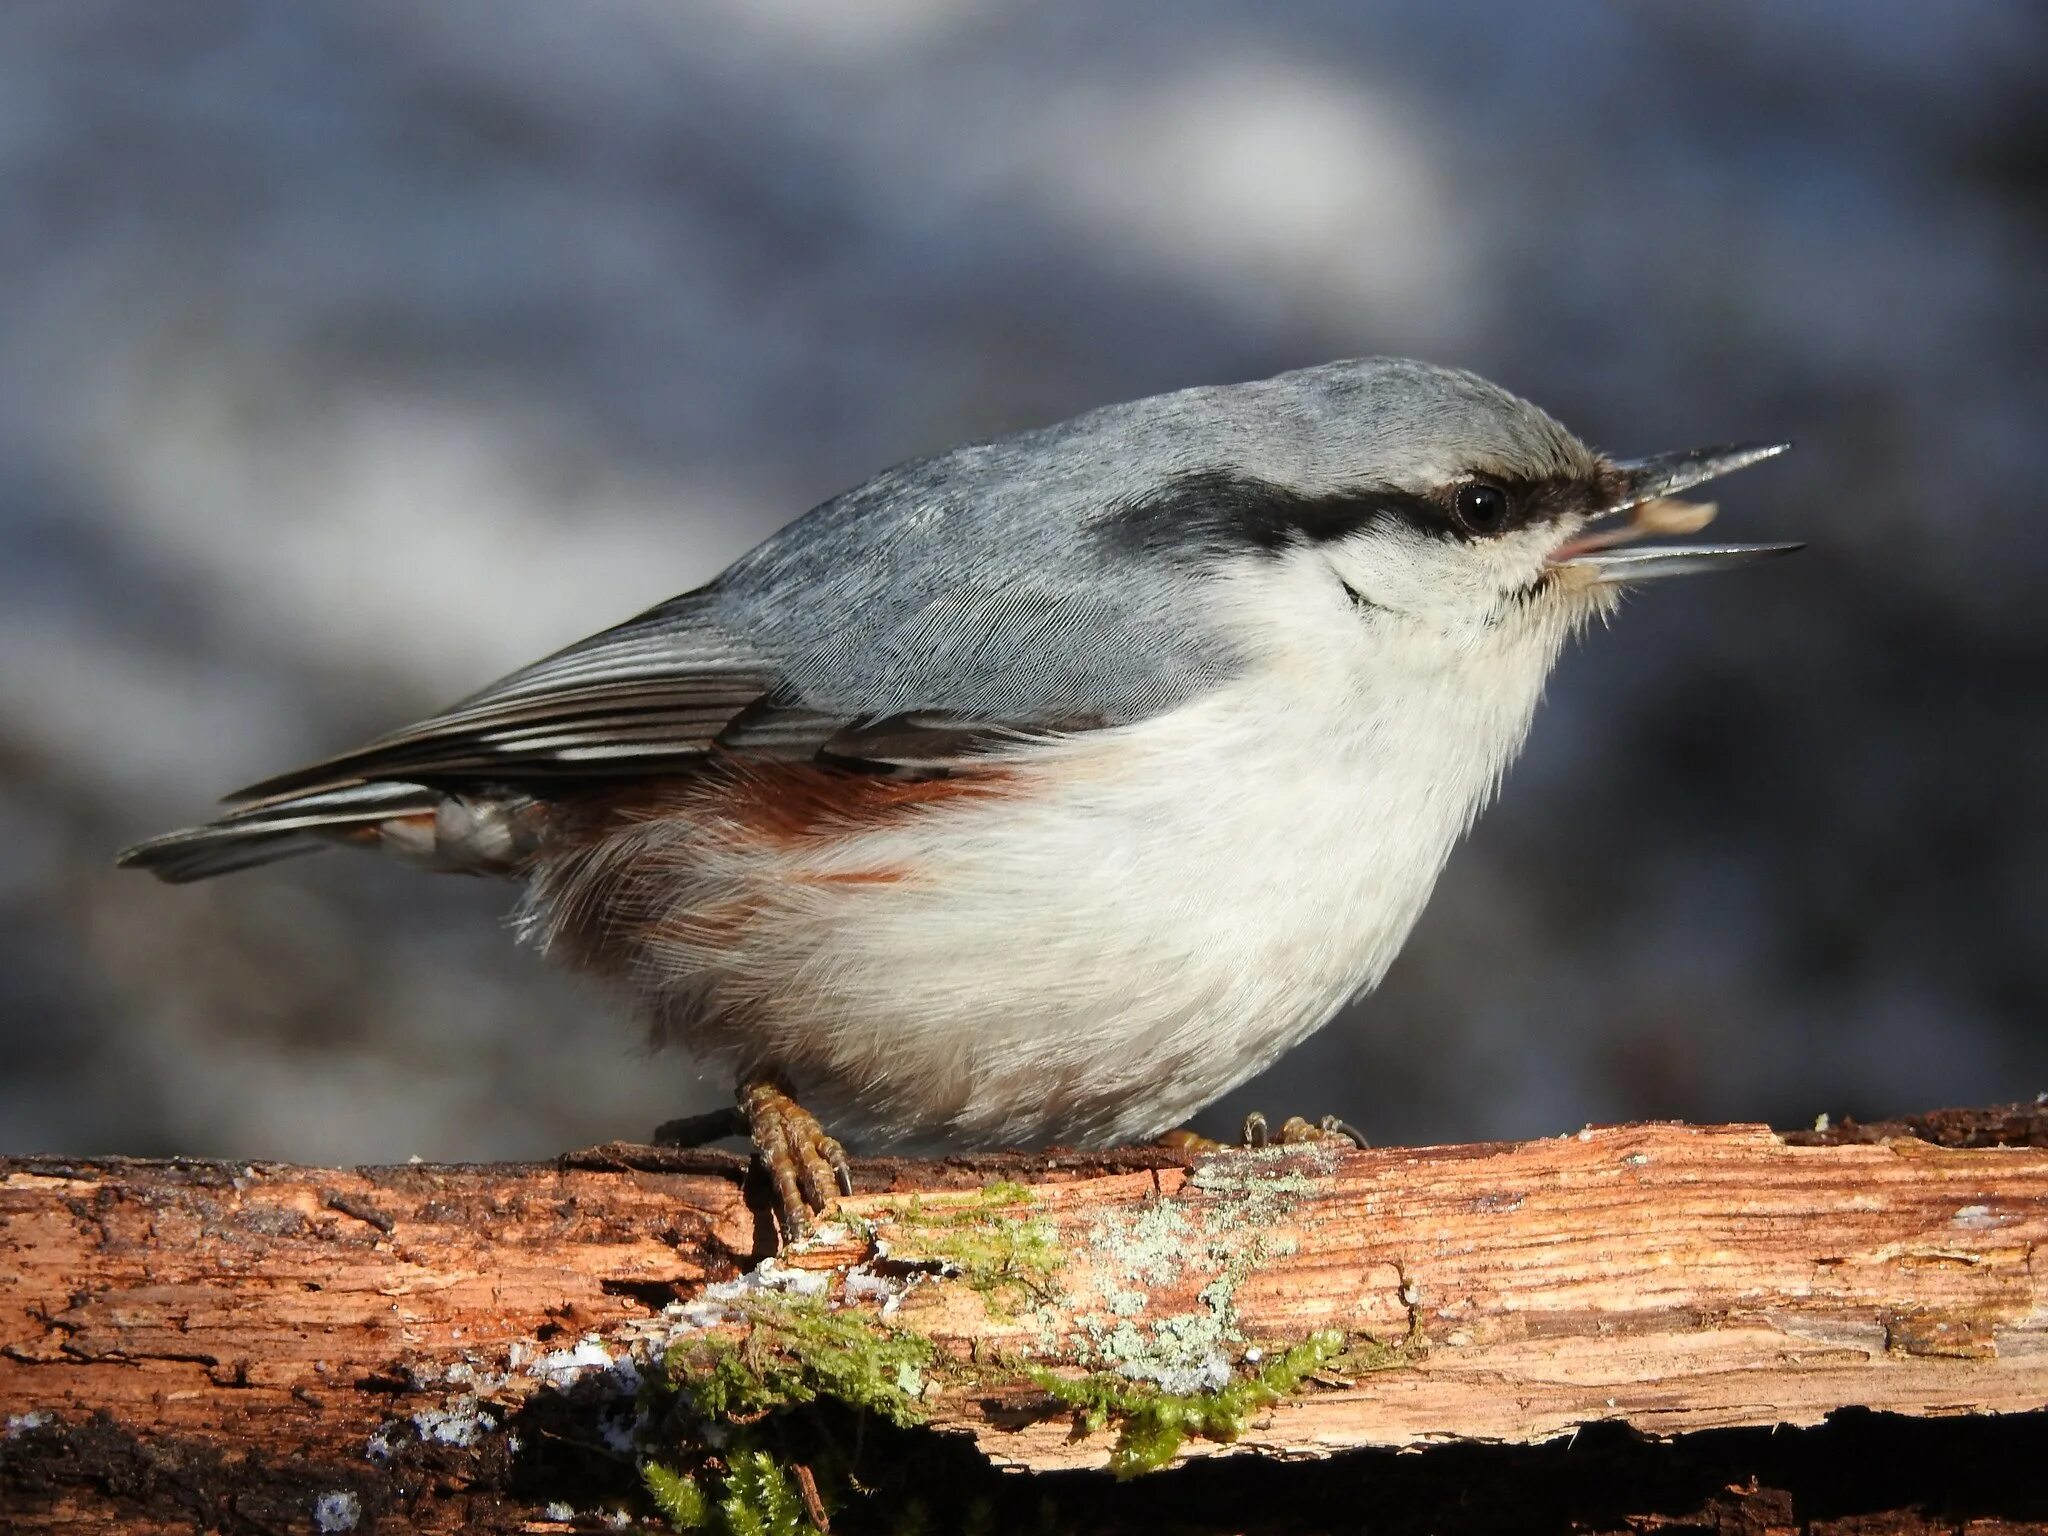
1666, 474
1647, 488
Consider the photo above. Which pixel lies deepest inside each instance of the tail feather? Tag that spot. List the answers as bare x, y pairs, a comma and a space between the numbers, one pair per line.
284, 828
200, 853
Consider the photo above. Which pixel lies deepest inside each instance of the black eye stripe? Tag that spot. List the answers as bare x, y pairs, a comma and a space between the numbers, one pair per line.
1216, 511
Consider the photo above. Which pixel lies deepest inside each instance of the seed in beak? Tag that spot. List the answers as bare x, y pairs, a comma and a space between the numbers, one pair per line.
1660, 515
1666, 516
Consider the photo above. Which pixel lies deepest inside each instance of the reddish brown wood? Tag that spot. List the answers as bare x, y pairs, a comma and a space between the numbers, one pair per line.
223, 1344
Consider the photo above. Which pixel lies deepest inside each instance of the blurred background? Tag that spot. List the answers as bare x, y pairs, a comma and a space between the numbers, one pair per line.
352, 353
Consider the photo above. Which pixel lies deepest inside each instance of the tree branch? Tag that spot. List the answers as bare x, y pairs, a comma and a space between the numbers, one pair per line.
467, 1347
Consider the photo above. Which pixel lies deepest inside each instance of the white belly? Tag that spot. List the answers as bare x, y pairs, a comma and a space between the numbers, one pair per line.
1156, 913
1160, 914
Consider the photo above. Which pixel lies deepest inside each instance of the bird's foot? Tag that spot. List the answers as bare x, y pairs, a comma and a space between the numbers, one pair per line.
1294, 1132
806, 1167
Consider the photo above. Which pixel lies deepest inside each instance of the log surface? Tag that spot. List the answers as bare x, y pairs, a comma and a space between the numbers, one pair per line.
205, 1345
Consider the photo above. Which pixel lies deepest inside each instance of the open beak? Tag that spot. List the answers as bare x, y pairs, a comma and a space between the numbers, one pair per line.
1651, 507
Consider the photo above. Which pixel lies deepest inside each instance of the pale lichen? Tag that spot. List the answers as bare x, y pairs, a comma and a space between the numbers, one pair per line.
1153, 1421
981, 1240
337, 1511
461, 1424
727, 1301
1152, 1424
737, 1429
562, 1367
1218, 1232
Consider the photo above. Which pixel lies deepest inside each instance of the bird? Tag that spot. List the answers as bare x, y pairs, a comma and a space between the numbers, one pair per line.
1043, 789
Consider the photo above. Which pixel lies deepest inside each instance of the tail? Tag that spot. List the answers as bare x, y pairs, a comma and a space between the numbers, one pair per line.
290, 826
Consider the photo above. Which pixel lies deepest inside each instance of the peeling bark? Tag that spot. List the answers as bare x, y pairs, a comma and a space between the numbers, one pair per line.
188, 1345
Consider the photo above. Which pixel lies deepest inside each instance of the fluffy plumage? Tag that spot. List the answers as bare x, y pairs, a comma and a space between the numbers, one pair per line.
1095, 938
1039, 790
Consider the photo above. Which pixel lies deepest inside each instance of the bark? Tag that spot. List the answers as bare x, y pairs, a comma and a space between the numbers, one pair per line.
260, 1347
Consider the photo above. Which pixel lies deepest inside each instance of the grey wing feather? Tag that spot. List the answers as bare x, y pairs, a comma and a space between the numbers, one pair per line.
978, 586
262, 834
940, 609
657, 689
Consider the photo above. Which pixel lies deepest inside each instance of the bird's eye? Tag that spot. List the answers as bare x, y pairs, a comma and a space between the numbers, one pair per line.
1482, 509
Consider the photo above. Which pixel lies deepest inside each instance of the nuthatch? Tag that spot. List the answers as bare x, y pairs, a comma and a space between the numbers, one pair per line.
1046, 788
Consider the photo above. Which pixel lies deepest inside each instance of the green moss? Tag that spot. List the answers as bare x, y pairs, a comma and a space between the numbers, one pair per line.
1008, 1259
1005, 1192
676, 1495
746, 1426
1152, 1425
797, 1350
753, 1494
760, 1498
741, 1394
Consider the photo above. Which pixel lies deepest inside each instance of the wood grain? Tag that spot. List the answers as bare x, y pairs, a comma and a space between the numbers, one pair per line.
384, 1333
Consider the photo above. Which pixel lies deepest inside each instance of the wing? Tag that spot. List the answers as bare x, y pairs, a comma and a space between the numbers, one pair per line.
937, 611
955, 679
657, 690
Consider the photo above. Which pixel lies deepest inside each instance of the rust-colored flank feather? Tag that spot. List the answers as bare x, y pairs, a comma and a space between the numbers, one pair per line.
784, 805
735, 832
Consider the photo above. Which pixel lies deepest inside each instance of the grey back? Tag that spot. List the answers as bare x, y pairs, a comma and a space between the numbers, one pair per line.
984, 586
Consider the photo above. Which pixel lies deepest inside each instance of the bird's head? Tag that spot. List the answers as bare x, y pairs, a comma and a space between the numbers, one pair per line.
1440, 503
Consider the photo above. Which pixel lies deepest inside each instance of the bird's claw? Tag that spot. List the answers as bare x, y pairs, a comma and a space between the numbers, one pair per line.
1296, 1131
807, 1168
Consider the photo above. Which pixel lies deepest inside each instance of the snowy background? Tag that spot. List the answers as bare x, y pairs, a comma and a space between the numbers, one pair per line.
352, 353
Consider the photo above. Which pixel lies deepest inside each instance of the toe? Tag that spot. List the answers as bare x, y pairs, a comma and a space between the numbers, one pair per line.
1335, 1129
792, 1209
835, 1159
1295, 1131
815, 1176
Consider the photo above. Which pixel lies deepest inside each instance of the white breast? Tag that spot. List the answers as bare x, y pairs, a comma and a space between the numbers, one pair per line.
1166, 908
